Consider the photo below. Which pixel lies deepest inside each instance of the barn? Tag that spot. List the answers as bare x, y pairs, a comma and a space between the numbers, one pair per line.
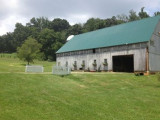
128, 47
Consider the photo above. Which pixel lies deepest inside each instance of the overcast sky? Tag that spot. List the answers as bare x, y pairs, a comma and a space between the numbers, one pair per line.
75, 11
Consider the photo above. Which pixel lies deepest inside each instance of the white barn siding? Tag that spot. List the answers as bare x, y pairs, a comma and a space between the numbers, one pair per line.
138, 50
154, 50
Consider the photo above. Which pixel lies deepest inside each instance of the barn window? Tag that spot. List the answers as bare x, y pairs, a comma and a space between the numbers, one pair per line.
75, 65
94, 64
94, 50
66, 63
83, 65
105, 60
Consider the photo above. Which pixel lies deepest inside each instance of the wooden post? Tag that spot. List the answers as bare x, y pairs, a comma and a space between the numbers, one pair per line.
147, 61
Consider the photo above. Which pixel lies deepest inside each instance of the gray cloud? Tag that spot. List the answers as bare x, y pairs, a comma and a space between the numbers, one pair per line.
74, 11
100, 8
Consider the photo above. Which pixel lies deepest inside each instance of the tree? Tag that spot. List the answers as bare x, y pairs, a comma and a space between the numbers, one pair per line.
75, 29
93, 24
21, 33
7, 44
133, 16
122, 18
111, 21
156, 13
49, 39
59, 25
2, 44
143, 14
40, 23
29, 50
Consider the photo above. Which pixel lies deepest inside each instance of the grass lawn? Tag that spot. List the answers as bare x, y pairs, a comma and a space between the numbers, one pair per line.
94, 96
14, 65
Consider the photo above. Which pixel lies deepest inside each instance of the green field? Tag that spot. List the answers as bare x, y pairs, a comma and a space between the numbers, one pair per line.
14, 65
79, 96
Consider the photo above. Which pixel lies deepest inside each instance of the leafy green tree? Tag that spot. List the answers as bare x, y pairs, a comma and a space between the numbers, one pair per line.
111, 21
93, 24
133, 16
156, 13
29, 50
2, 43
39, 23
34, 32
7, 43
21, 33
61, 37
75, 29
59, 25
49, 39
143, 14
122, 18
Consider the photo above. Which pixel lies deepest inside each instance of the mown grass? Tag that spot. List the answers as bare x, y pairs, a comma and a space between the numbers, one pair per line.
15, 65
95, 96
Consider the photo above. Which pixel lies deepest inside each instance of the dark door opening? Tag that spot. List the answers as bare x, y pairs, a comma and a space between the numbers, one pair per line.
124, 63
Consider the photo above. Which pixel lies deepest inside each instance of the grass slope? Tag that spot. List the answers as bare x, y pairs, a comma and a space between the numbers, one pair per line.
95, 96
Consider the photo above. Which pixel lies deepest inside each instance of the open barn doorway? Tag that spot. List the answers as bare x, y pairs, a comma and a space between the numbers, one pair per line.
123, 63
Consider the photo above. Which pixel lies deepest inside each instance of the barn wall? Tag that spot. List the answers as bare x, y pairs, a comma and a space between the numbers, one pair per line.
138, 50
154, 50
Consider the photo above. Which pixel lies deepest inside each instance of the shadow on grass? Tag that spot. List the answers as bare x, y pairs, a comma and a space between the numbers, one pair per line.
157, 86
62, 76
74, 78
153, 85
23, 64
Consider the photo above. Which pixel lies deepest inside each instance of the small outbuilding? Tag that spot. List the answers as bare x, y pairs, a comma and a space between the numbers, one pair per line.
128, 47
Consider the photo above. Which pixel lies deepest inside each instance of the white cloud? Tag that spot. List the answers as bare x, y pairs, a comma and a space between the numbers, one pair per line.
79, 18
153, 6
13, 4
8, 24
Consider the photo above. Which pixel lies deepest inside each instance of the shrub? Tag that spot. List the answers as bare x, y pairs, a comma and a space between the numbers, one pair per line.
83, 65
94, 64
105, 64
74, 65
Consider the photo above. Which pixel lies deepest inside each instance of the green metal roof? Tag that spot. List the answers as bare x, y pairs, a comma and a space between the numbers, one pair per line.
128, 33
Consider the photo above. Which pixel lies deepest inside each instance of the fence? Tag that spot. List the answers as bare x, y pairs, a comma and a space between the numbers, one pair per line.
34, 68
58, 70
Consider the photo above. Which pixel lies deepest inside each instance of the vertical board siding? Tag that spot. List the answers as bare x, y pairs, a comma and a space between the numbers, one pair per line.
137, 50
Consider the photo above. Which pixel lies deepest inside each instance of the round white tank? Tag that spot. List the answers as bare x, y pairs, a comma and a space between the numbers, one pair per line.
70, 37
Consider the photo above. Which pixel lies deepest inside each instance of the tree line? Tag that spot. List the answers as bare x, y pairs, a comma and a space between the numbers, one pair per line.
52, 34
